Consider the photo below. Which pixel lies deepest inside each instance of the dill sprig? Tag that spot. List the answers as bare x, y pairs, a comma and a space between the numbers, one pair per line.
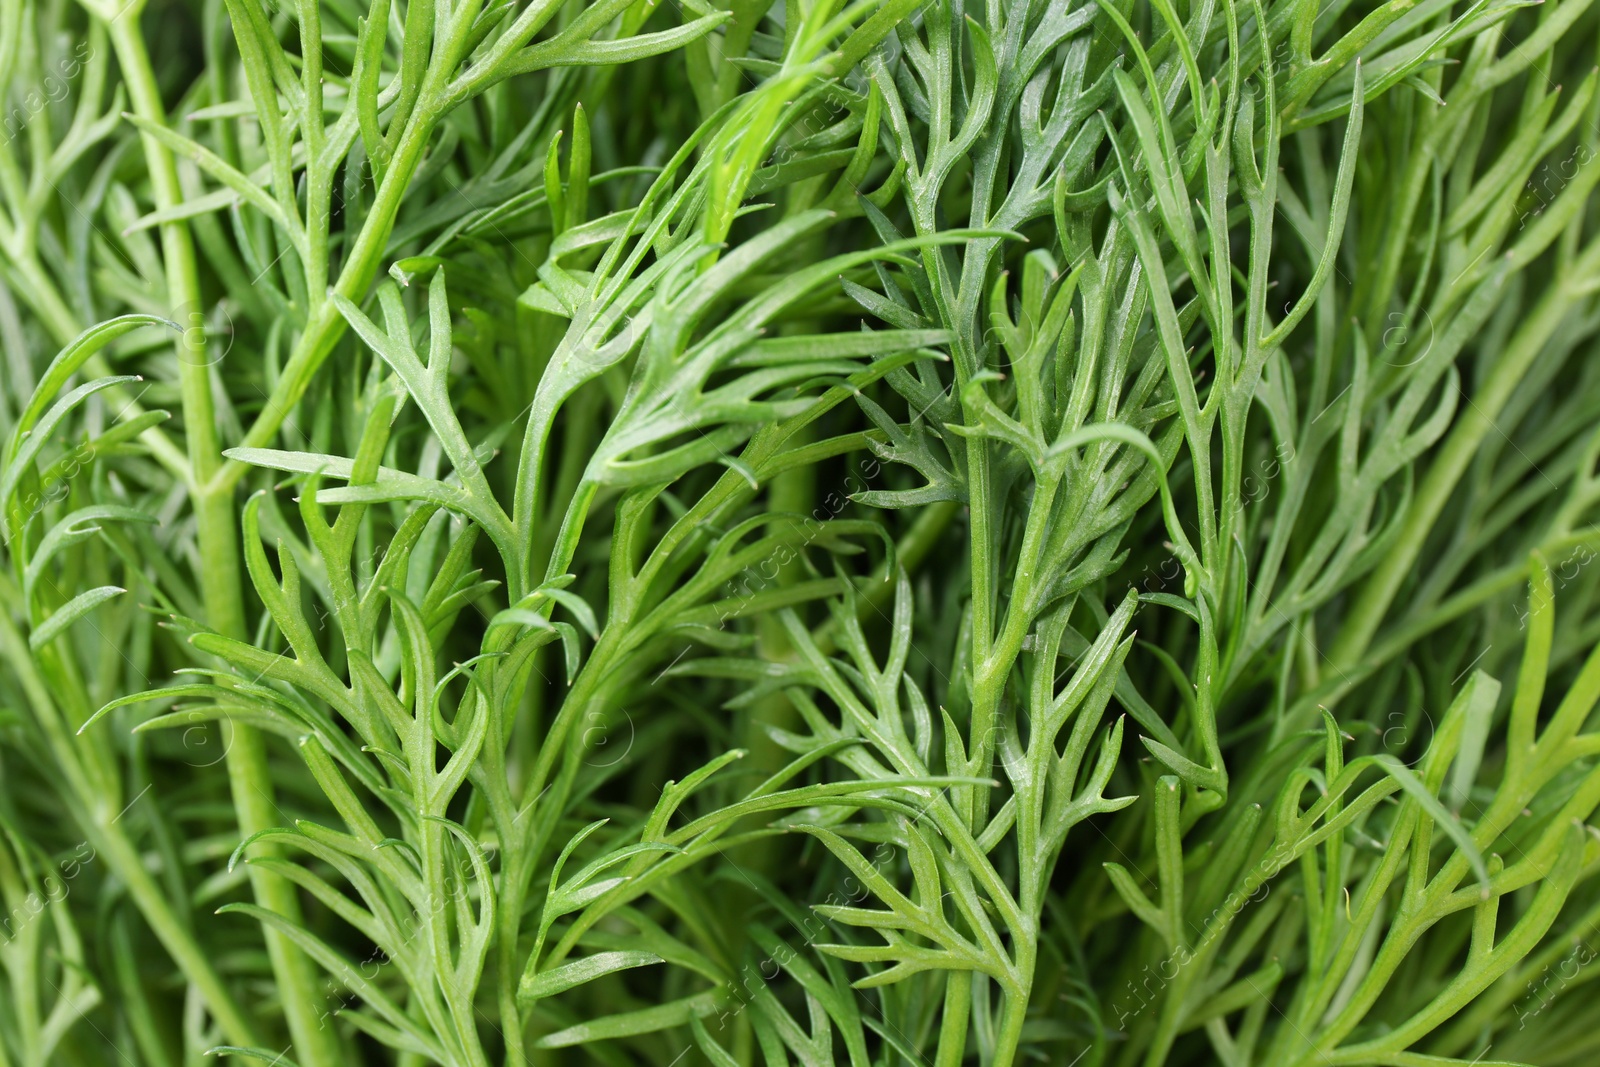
815, 533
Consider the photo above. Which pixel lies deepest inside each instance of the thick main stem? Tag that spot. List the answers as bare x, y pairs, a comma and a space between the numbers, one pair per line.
219, 549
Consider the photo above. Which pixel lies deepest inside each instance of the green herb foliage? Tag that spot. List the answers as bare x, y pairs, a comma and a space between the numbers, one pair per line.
818, 533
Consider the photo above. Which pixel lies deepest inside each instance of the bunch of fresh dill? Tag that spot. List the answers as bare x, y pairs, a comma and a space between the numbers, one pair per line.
833, 532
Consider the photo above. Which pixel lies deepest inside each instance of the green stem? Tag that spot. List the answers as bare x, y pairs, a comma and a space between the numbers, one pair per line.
219, 550
326, 325
1012, 1017
953, 1028
985, 694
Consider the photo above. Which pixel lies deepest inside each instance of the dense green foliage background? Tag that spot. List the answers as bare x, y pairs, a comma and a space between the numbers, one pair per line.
808, 532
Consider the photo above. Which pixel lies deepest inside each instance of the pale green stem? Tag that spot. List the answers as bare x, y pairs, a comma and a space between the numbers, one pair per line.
953, 1027
248, 775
